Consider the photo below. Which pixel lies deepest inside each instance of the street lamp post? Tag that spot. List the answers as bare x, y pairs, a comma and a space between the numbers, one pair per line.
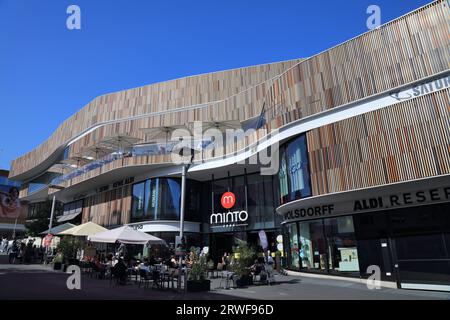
182, 209
183, 196
50, 225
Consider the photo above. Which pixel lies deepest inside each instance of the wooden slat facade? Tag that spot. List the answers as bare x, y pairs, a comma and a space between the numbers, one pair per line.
410, 140
407, 141
110, 208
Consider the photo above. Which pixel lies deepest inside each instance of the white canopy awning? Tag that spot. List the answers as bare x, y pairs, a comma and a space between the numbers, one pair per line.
126, 235
84, 230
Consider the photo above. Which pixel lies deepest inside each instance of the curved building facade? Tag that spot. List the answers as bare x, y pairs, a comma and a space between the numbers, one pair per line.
342, 159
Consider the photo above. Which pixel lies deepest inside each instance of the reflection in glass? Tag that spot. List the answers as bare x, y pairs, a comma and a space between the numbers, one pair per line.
160, 199
293, 245
312, 246
342, 249
294, 173
137, 211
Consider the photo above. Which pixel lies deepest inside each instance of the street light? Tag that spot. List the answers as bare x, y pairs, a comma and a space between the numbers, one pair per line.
52, 213
182, 209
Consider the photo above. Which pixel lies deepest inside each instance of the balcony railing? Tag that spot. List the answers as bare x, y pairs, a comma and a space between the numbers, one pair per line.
151, 149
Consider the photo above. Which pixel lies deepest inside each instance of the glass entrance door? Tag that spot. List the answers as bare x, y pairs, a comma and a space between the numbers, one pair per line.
423, 261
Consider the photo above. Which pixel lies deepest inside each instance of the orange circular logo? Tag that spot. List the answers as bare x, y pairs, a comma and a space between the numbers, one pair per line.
228, 200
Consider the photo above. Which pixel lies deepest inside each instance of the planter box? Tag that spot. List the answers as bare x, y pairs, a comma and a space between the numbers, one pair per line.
198, 286
244, 281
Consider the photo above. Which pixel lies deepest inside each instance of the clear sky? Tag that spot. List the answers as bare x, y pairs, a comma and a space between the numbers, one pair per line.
48, 72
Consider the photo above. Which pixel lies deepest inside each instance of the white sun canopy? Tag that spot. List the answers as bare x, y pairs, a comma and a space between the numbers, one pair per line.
126, 235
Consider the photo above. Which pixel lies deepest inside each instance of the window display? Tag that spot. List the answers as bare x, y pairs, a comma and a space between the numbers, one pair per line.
294, 173
342, 251
326, 245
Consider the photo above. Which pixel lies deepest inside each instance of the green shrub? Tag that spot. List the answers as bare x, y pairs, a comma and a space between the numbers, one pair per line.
243, 257
198, 266
68, 247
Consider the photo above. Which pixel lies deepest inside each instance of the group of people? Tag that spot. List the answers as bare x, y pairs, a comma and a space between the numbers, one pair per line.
22, 252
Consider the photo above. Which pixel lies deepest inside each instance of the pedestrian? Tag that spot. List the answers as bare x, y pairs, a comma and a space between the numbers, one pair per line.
13, 252
4, 245
20, 254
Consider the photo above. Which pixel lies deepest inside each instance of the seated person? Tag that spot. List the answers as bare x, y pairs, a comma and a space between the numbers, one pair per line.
152, 261
120, 271
144, 265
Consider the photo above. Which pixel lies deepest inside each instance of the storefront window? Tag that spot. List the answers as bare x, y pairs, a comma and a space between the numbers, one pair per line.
261, 206
312, 246
341, 241
294, 173
326, 245
282, 176
137, 212
294, 258
160, 199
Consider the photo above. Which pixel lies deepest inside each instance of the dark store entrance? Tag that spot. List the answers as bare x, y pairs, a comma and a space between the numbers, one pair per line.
411, 245
221, 243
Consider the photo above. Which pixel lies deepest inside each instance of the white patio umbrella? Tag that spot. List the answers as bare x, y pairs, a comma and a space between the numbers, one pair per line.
96, 151
126, 235
120, 142
76, 160
84, 230
161, 133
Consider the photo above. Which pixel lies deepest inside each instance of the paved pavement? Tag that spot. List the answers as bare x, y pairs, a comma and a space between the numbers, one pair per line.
40, 282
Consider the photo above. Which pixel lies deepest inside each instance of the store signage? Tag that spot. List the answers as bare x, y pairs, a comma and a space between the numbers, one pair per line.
230, 218
382, 202
228, 200
422, 89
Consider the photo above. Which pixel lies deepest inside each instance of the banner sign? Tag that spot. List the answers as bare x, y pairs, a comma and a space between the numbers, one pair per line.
375, 203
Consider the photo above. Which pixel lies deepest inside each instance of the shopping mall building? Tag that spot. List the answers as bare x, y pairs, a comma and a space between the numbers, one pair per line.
358, 143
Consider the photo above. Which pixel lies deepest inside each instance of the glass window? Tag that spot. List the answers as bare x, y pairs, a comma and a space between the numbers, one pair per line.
238, 188
220, 187
152, 199
255, 199
160, 199
294, 258
194, 204
294, 173
421, 247
170, 195
282, 176
342, 246
137, 211
312, 246
73, 207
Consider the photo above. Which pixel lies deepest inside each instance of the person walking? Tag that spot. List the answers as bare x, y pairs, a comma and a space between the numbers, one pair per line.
4, 245
13, 252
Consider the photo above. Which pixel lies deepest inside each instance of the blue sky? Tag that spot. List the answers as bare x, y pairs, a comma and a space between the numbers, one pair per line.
48, 72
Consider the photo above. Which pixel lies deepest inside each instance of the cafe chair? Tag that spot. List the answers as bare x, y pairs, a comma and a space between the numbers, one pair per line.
226, 278
144, 278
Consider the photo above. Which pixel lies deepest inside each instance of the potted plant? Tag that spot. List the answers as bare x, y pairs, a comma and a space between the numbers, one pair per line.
244, 256
196, 276
68, 248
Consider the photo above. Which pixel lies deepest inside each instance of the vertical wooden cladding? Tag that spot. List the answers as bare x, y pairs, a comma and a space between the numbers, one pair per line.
206, 88
109, 208
410, 140
402, 51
